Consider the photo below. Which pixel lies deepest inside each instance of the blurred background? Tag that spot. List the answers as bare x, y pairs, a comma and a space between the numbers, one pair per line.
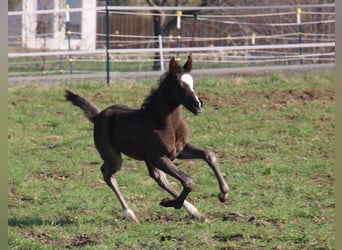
58, 37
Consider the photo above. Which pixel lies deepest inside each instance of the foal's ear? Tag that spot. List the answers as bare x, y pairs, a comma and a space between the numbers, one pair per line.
173, 67
188, 65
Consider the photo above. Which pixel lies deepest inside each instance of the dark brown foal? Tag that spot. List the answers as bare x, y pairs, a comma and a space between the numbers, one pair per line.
154, 133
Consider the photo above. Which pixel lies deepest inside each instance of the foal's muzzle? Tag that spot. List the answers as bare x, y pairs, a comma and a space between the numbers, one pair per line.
197, 107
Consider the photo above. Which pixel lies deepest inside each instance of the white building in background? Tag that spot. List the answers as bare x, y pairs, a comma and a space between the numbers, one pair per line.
48, 31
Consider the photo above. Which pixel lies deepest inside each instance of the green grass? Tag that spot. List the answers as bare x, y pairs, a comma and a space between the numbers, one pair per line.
274, 137
53, 66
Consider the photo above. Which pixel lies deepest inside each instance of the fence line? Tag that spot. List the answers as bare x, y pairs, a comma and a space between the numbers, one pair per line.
262, 56
212, 8
153, 39
193, 49
219, 16
233, 39
269, 24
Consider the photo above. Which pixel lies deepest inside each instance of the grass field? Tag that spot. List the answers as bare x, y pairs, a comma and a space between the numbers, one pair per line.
274, 137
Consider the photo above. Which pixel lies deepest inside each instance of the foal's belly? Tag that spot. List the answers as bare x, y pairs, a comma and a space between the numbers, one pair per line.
126, 137
129, 144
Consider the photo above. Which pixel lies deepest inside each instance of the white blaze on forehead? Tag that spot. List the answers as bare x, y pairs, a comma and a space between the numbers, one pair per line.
188, 80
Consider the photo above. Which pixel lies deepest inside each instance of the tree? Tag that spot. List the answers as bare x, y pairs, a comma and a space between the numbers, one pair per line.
163, 24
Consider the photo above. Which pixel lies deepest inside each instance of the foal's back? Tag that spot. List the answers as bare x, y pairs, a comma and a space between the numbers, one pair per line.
119, 128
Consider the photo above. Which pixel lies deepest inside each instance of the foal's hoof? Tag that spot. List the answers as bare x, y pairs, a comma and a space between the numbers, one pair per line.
223, 197
203, 218
170, 203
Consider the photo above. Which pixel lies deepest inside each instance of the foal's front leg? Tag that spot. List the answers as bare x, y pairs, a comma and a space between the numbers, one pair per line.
160, 177
168, 167
191, 152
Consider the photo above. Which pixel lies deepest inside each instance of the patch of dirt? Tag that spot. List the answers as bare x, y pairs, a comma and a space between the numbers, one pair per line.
302, 95
227, 216
242, 218
244, 158
15, 199
24, 198
281, 99
229, 240
274, 100
324, 178
79, 240
52, 175
327, 118
225, 238
82, 240
39, 235
164, 218
11, 188
169, 237
249, 158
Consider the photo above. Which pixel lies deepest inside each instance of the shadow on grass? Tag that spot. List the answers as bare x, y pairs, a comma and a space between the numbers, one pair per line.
32, 221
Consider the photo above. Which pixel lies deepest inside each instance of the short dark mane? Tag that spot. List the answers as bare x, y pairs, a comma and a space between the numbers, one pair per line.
154, 92
150, 98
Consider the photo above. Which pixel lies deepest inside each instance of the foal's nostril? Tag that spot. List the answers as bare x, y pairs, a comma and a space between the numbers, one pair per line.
198, 107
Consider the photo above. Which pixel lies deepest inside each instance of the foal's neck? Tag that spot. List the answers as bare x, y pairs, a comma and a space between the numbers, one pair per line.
167, 108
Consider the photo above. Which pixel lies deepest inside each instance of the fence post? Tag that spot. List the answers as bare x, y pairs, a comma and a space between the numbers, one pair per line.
161, 53
253, 43
179, 36
299, 23
107, 43
68, 33
253, 38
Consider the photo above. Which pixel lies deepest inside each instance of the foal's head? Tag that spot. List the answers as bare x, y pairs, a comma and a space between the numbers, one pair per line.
182, 86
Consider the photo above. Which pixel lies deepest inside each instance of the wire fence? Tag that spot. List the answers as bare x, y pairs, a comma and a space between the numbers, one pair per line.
74, 40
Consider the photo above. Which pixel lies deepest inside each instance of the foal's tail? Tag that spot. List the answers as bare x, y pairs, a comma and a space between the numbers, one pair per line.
89, 109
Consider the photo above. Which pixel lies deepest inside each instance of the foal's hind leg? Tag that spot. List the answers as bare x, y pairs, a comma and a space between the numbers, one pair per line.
108, 171
191, 152
112, 159
160, 178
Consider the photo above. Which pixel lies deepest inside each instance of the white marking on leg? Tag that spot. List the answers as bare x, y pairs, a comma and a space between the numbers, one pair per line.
192, 210
130, 216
